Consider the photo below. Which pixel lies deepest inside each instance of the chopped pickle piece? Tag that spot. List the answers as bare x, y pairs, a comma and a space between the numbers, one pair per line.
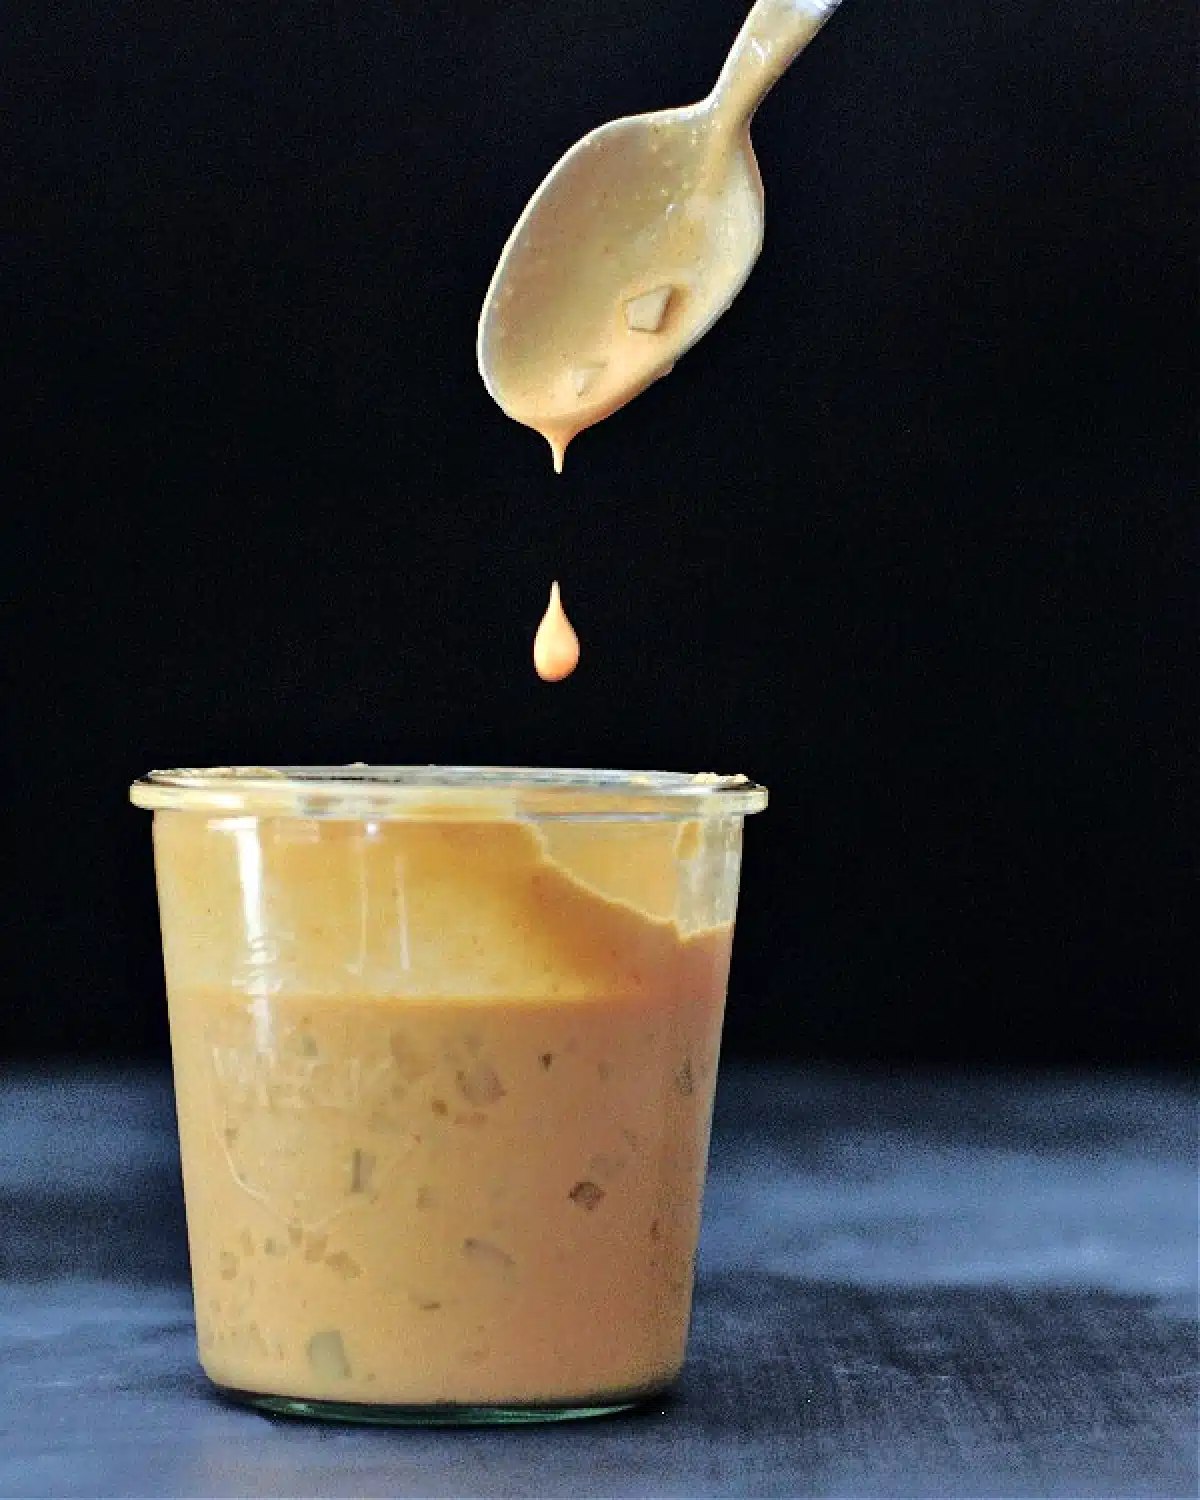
586, 1194
362, 1165
327, 1356
344, 1265
644, 314
479, 1084
583, 378
484, 1253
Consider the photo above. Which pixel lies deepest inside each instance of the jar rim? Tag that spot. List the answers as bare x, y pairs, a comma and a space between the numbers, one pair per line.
460, 793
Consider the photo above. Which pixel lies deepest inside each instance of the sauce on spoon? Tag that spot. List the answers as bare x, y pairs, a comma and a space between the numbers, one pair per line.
635, 244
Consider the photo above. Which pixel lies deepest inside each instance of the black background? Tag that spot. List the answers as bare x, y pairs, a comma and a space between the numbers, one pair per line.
904, 538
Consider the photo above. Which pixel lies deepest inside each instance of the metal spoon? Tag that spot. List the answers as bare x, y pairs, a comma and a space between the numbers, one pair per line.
635, 244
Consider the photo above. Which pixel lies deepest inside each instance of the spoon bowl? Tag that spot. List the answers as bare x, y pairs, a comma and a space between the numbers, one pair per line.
638, 204
635, 244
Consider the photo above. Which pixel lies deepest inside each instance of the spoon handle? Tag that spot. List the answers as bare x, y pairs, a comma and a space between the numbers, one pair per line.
773, 36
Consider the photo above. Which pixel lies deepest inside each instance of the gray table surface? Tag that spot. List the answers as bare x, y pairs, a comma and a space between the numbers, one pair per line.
908, 1286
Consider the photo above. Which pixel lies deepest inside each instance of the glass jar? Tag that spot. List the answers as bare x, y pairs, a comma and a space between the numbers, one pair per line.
445, 1043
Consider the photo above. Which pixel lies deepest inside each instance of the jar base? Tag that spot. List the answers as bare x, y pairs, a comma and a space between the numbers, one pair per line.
444, 1415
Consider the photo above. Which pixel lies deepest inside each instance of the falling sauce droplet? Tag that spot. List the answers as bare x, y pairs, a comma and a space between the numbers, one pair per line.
555, 646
